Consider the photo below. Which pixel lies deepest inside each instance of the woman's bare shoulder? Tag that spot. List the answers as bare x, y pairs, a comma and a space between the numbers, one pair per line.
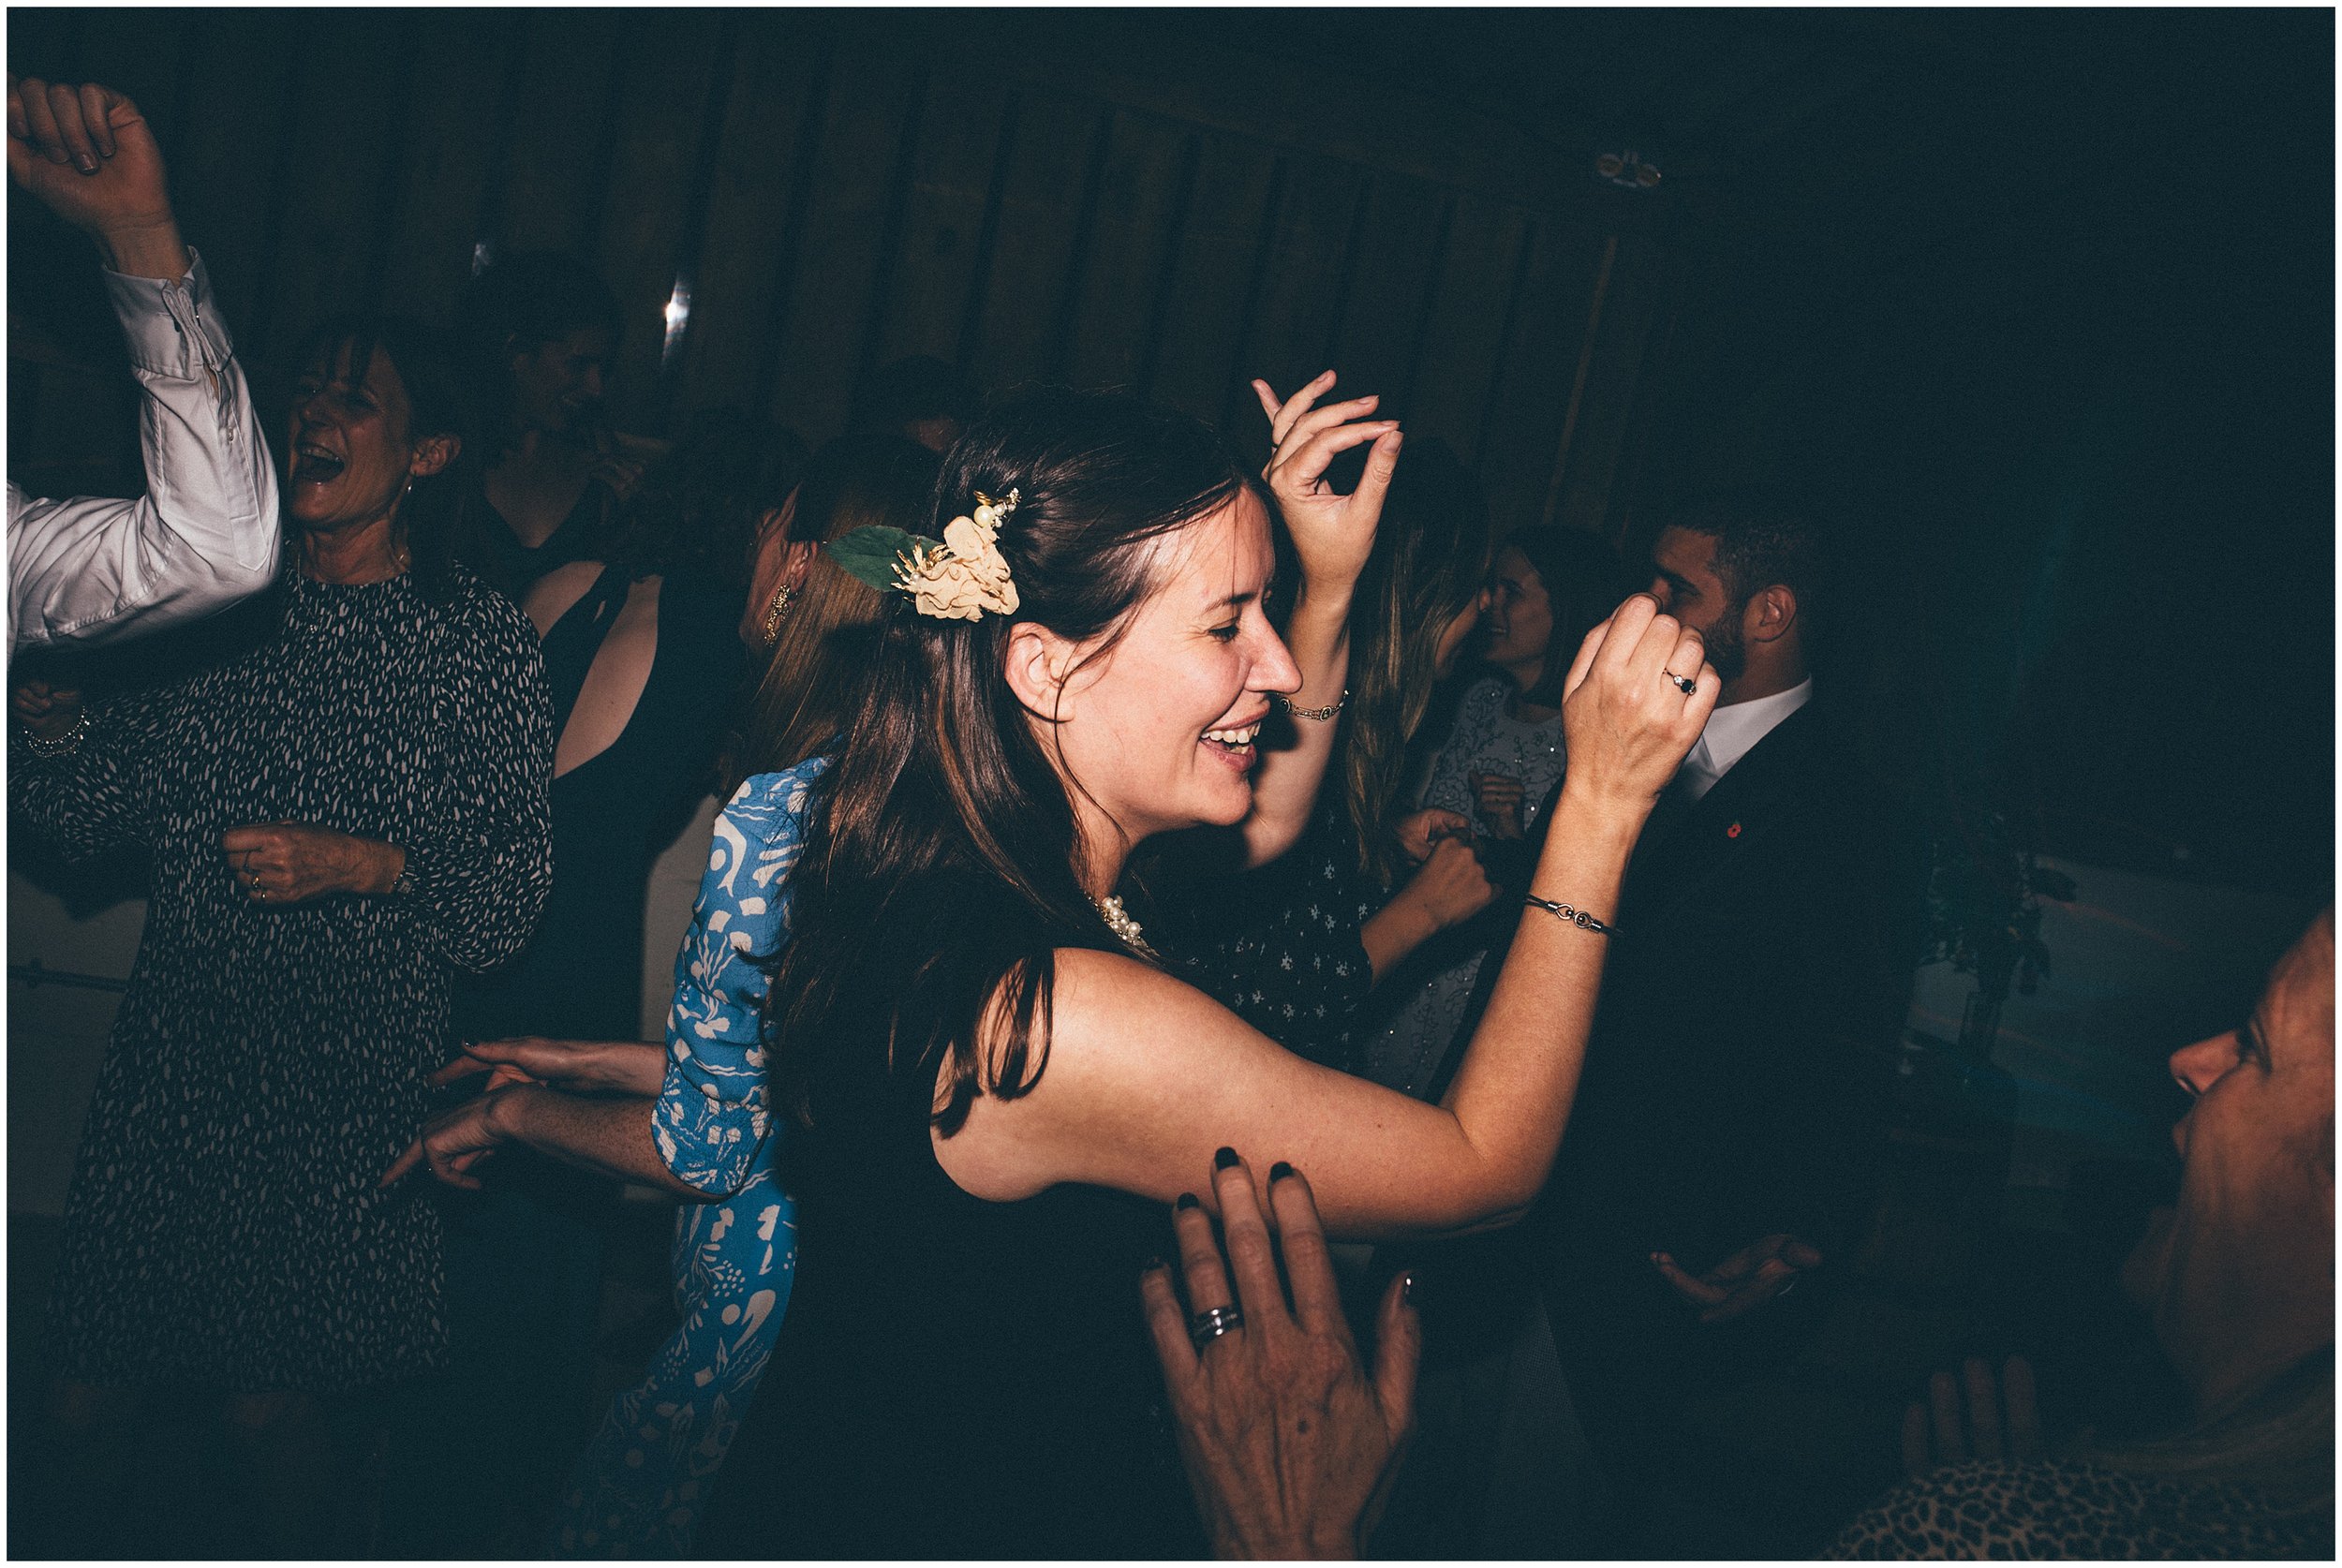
556, 593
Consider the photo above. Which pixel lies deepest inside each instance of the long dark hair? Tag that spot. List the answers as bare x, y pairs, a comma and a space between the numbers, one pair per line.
700, 505
1430, 554
436, 512
942, 874
829, 636
1583, 583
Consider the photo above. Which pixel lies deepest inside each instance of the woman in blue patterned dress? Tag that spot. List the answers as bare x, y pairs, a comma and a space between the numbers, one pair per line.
692, 1119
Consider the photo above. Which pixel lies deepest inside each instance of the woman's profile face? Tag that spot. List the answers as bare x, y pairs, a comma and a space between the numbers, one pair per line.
347, 454
1520, 616
1163, 731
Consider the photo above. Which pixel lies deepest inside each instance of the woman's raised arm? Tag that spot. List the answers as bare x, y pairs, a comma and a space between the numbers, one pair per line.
1148, 1076
1333, 534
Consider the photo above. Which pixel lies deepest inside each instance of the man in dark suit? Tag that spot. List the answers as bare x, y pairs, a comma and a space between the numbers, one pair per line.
1718, 1155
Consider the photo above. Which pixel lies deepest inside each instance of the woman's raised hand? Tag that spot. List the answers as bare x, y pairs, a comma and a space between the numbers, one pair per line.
1332, 533
87, 153
1628, 719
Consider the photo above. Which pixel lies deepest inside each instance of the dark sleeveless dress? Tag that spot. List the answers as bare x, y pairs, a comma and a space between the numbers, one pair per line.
512, 567
524, 1259
956, 1377
581, 978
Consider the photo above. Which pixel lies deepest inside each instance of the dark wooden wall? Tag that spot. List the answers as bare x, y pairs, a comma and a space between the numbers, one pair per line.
838, 190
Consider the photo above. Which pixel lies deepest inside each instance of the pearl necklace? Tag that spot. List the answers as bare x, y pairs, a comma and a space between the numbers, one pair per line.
1118, 922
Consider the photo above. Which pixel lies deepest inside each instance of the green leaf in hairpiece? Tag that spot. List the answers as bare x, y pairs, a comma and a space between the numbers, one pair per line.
868, 554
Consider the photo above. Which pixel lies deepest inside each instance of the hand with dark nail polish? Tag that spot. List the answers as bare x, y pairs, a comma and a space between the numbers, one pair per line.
1290, 1443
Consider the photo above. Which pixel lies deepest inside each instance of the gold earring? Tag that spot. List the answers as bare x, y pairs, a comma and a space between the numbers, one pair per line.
778, 612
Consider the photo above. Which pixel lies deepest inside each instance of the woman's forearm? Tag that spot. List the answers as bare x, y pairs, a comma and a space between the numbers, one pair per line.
1284, 788
610, 1135
1513, 1091
1398, 928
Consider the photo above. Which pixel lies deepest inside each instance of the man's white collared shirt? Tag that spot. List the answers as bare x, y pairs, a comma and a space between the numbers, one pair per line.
1733, 733
89, 570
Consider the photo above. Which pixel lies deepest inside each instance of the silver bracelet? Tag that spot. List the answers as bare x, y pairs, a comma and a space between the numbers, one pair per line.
1578, 918
1328, 711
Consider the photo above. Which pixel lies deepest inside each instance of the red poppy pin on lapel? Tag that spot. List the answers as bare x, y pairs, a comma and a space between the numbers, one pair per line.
1732, 832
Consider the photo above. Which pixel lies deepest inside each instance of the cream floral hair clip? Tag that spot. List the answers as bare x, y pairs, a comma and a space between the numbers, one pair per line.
962, 577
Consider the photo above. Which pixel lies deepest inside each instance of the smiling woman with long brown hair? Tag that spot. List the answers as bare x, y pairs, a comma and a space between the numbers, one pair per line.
1001, 1088
338, 819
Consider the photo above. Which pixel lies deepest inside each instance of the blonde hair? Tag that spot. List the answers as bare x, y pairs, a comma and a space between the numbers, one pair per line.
829, 634
2277, 1444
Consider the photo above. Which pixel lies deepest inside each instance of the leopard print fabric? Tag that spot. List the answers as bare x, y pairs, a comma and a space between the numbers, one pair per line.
1996, 1511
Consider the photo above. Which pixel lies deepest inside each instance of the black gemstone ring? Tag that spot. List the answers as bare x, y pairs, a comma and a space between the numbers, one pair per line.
1205, 1326
1683, 683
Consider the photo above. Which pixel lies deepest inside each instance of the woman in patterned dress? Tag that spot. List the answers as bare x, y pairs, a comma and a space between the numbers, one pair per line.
1497, 768
338, 819
691, 1118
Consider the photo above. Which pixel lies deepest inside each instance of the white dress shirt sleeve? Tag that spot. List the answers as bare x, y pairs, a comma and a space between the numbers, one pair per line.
92, 569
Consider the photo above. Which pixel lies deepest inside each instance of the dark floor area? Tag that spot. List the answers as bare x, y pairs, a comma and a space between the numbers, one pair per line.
1939, 1278
183, 1501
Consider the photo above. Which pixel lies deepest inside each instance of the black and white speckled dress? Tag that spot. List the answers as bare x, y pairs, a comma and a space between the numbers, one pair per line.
224, 1226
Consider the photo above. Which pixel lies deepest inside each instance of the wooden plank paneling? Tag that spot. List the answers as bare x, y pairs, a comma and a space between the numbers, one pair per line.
1462, 334
331, 222
1306, 256
1198, 348
553, 171
1139, 207
942, 220
1025, 289
464, 66
231, 158
646, 206
862, 133
938, 259
1522, 432
1276, 102
1605, 417
845, 191
1400, 237
742, 256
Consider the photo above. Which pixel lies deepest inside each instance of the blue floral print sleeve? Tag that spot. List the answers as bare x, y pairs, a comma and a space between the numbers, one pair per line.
641, 1486
712, 1114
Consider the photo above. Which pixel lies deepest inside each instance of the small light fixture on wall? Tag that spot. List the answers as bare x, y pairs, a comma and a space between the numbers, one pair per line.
678, 317
1627, 169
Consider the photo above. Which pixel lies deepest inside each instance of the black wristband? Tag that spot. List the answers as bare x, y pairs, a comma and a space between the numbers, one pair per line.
1578, 918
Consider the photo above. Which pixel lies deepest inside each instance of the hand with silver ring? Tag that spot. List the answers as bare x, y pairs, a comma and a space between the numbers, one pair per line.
1206, 1326
1264, 1491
